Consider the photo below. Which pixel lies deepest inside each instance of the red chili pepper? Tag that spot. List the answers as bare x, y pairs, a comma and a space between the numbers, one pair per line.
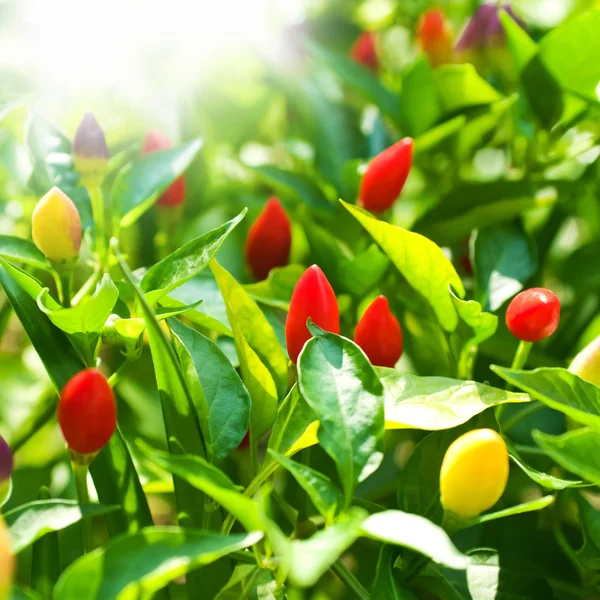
385, 176
379, 335
245, 443
6, 461
313, 298
269, 240
87, 413
174, 195
533, 315
435, 36
364, 52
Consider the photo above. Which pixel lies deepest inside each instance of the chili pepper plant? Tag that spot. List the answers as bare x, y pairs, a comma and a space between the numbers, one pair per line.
340, 340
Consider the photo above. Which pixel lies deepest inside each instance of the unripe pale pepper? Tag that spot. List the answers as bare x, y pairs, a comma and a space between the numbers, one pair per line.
474, 473
87, 412
587, 363
90, 154
56, 227
533, 315
435, 36
7, 562
174, 195
364, 51
379, 335
385, 176
269, 240
313, 298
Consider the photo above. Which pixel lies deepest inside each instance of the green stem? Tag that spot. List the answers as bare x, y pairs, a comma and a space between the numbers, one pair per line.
66, 279
532, 450
467, 362
253, 455
88, 286
521, 415
350, 581
114, 379
98, 210
519, 360
243, 557
561, 540
80, 473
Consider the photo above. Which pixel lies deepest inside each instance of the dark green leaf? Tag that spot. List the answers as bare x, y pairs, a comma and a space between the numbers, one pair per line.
20, 250
589, 516
222, 400
154, 557
340, 385
503, 260
385, 584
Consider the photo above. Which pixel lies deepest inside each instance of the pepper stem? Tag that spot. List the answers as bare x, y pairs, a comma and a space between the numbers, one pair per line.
99, 212
521, 356
80, 472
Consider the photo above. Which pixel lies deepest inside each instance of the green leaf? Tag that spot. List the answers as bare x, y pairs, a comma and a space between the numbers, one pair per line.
559, 389
210, 480
519, 509
340, 385
253, 325
179, 413
434, 403
298, 186
29, 522
222, 400
256, 375
459, 87
363, 271
550, 482
186, 262
438, 134
19, 593
20, 250
320, 489
577, 451
294, 428
589, 516
414, 532
358, 77
240, 581
276, 290
154, 557
491, 576
503, 260
569, 53
418, 83
421, 262
310, 559
83, 322
385, 584
140, 183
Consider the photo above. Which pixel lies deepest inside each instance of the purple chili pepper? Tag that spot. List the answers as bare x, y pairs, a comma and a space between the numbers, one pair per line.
89, 141
6, 461
484, 29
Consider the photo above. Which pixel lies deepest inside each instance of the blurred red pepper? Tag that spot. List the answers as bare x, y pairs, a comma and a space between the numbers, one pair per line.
385, 176
174, 195
379, 335
533, 315
435, 36
269, 240
364, 52
313, 298
87, 413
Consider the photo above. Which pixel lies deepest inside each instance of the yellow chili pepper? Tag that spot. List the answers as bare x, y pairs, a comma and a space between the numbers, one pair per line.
7, 562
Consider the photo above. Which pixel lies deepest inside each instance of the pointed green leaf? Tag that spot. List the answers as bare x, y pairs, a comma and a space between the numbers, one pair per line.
340, 385
417, 533
153, 557
320, 489
223, 402
186, 262
519, 509
276, 290
212, 481
385, 584
31, 521
140, 183
433, 403
559, 389
19, 250
421, 262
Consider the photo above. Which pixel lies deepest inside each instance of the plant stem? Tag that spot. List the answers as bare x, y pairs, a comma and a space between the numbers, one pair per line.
114, 379
243, 557
342, 571
561, 540
521, 415
98, 210
80, 473
519, 360
88, 286
66, 279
